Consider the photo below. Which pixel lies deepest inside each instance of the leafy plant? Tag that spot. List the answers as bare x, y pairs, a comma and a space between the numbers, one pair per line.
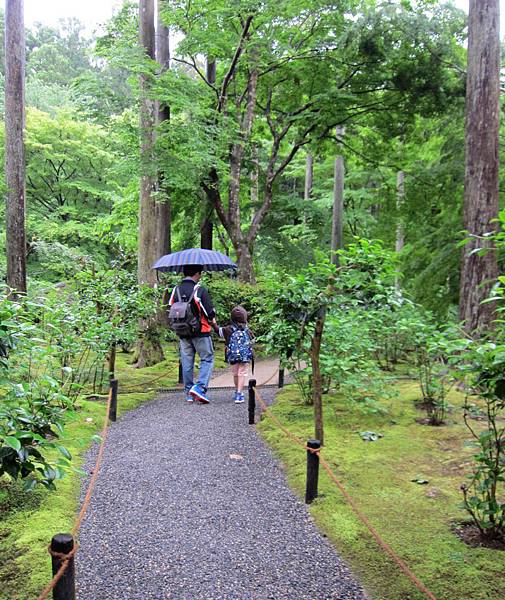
484, 495
435, 350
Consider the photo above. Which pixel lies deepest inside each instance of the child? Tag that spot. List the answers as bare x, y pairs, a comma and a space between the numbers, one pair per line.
238, 351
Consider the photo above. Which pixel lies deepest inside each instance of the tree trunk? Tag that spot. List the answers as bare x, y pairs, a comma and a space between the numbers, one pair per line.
255, 176
112, 360
337, 241
163, 212
14, 145
149, 350
245, 262
479, 271
317, 380
309, 173
400, 229
207, 228
163, 208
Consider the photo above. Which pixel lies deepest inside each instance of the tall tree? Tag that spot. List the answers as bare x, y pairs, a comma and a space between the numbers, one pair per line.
163, 216
479, 270
282, 87
309, 173
149, 349
400, 227
207, 228
14, 144
337, 229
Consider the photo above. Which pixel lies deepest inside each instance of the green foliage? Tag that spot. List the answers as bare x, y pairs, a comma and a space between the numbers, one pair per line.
73, 178
31, 407
436, 351
356, 296
484, 495
118, 303
57, 55
227, 293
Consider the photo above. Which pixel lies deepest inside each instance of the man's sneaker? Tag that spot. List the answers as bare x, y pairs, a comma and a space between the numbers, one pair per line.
198, 393
239, 398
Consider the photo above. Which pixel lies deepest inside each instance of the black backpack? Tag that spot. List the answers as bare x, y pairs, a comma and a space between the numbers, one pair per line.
182, 316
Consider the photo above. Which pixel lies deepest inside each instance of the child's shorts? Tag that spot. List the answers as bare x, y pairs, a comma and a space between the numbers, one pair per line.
240, 369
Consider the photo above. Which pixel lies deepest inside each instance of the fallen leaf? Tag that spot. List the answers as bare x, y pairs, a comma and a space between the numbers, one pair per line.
236, 456
420, 480
370, 436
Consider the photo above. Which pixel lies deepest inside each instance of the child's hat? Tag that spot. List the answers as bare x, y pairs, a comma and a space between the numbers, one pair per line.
239, 314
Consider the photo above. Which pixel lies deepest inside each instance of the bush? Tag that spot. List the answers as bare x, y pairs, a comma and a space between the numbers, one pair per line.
484, 496
32, 402
227, 293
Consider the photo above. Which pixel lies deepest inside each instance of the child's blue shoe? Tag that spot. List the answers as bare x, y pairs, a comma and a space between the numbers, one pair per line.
239, 397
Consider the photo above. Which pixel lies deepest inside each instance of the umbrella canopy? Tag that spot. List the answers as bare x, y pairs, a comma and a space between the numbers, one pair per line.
211, 260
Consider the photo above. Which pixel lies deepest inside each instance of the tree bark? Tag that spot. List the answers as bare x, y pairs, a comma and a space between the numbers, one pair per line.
163, 212
112, 360
317, 380
245, 262
337, 228
309, 173
255, 176
207, 228
14, 145
149, 350
337, 241
400, 228
479, 271
148, 243
163, 207
237, 156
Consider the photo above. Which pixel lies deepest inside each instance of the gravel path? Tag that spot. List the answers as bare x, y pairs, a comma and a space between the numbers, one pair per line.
190, 504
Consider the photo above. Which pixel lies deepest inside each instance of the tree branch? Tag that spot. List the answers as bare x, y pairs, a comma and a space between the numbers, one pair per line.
233, 66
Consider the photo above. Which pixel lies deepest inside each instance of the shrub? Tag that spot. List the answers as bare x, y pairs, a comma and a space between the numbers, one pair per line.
227, 293
484, 496
32, 402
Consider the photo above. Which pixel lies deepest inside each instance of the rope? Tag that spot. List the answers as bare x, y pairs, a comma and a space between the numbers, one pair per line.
276, 373
406, 570
82, 513
142, 385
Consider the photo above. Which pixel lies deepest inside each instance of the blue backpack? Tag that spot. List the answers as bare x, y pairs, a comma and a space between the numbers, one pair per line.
239, 347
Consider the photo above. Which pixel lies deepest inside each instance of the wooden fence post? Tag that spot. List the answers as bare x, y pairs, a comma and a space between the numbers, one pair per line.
113, 403
181, 376
281, 377
64, 589
251, 406
312, 471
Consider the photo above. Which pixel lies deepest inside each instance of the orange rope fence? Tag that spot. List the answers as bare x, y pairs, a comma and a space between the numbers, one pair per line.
383, 544
85, 505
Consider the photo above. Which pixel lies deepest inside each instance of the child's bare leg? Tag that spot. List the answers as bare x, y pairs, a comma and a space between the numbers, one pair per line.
235, 381
240, 383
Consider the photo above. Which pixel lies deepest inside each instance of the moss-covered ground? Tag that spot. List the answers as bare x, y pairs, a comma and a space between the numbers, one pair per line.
29, 520
416, 520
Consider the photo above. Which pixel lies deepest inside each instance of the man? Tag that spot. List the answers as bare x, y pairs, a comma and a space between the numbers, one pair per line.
201, 342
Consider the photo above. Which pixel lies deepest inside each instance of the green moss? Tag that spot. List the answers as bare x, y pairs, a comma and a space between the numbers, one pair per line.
414, 519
